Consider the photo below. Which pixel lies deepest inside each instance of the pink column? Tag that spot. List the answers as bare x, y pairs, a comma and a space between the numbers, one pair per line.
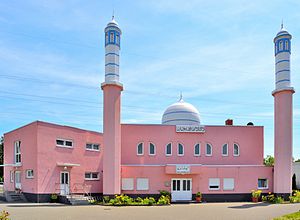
112, 138
283, 141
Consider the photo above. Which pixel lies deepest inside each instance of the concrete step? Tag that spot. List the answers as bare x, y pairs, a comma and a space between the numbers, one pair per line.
14, 197
78, 199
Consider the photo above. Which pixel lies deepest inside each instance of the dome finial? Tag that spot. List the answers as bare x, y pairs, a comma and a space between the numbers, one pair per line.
281, 23
180, 97
113, 15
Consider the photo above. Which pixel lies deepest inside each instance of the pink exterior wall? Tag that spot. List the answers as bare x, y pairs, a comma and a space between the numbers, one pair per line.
28, 137
40, 153
283, 141
245, 178
112, 139
249, 138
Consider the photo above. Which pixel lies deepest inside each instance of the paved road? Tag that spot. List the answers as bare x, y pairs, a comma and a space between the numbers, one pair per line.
207, 211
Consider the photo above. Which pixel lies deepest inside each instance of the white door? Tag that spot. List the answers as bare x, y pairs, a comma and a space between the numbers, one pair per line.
18, 179
64, 183
181, 189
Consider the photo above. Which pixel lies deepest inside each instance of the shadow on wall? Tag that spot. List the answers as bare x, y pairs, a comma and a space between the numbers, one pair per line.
248, 206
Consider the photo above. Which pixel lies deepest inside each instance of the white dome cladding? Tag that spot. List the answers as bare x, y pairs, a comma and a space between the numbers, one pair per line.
181, 113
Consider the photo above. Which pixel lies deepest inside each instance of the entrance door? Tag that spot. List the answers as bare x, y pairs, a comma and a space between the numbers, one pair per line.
64, 183
181, 189
18, 179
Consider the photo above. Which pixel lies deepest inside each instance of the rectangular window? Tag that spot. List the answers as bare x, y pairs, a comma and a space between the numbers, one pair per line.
142, 184
17, 152
228, 184
262, 184
93, 147
127, 184
214, 183
64, 143
91, 176
29, 174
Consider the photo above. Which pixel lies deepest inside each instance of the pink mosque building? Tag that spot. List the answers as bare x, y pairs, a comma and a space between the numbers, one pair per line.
180, 155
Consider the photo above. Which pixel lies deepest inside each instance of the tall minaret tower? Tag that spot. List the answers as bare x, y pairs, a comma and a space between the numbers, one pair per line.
111, 111
283, 115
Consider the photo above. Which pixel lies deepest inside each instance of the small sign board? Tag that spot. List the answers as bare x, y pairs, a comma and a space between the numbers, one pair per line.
190, 128
183, 168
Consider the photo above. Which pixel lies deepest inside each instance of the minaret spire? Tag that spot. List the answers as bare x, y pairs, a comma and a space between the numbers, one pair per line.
283, 115
281, 23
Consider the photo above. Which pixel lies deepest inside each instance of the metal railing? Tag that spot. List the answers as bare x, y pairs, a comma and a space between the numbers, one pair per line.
73, 189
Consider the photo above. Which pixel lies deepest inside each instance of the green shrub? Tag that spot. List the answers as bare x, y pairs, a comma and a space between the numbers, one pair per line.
139, 200
165, 193
256, 193
151, 201
105, 199
163, 200
295, 197
198, 194
272, 198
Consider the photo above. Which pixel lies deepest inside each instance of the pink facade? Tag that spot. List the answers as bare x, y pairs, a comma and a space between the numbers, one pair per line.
180, 155
283, 141
40, 153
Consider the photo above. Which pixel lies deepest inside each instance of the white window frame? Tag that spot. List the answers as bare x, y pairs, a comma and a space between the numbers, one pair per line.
12, 176
91, 178
142, 184
225, 155
197, 155
150, 148
213, 182
180, 155
17, 152
168, 155
29, 174
267, 187
64, 144
211, 150
236, 155
127, 184
93, 147
228, 184
137, 149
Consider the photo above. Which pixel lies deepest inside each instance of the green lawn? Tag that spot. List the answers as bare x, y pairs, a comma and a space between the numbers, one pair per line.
293, 216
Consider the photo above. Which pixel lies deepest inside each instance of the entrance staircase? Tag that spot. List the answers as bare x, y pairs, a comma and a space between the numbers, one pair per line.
77, 199
12, 196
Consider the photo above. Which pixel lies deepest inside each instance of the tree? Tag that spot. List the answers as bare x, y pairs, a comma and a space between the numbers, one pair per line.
269, 161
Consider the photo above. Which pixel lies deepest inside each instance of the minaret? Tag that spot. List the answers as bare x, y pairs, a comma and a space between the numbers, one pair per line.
283, 115
111, 111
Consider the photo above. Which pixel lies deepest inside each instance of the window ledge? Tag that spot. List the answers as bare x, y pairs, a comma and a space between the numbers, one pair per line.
263, 188
93, 150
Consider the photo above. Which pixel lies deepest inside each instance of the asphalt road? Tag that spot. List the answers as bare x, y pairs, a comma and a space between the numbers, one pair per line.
207, 211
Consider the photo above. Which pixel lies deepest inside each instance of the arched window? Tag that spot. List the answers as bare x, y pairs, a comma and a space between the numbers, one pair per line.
106, 38
180, 150
117, 39
286, 47
111, 38
208, 149
197, 150
280, 45
151, 149
169, 149
225, 150
236, 150
140, 149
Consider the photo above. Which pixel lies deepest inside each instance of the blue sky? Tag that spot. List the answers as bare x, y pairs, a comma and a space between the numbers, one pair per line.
218, 53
